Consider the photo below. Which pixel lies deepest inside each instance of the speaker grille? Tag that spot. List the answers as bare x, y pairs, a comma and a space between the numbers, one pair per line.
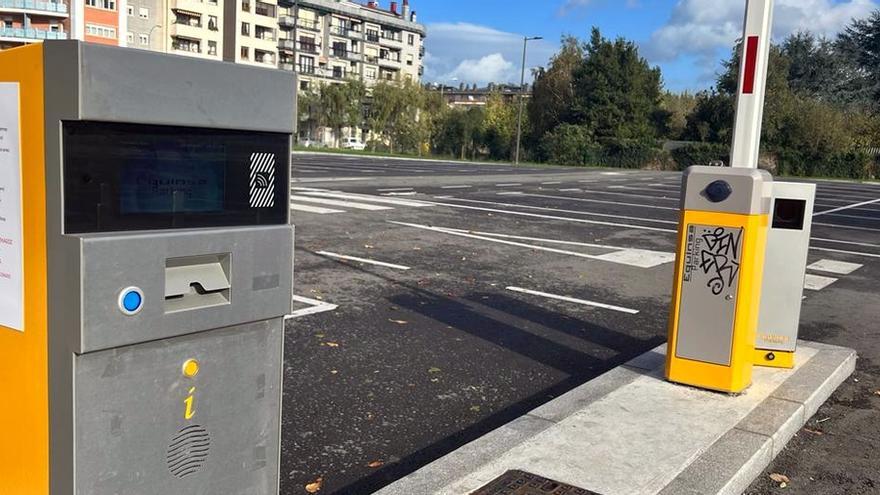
188, 451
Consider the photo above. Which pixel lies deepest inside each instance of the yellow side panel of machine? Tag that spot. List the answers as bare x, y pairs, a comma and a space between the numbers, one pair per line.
24, 415
738, 375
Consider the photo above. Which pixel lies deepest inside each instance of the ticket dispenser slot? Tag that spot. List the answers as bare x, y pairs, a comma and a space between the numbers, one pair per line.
197, 282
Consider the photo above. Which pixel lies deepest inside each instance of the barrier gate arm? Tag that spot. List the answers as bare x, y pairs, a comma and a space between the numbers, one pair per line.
754, 61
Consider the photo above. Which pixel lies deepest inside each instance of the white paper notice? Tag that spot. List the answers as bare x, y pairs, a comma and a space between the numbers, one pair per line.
11, 248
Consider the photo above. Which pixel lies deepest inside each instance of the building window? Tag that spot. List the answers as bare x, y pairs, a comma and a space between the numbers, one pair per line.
304, 85
212, 48
102, 4
245, 53
101, 31
54, 27
144, 39
212, 23
373, 35
370, 73
266, 9
144, 13
411, 39
409, 59
264, 33
245, 29
129, 37
129, 9
7, 23
246, 6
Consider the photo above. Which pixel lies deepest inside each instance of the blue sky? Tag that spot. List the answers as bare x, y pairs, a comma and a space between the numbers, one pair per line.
480, 41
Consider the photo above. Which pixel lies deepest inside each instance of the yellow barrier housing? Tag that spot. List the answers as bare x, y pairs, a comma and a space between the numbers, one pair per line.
718, 277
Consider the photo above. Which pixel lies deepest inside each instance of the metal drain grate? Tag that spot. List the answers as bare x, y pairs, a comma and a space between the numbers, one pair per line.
523, 483
188, 451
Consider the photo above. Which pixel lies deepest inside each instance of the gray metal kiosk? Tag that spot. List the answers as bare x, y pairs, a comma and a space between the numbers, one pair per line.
169, 271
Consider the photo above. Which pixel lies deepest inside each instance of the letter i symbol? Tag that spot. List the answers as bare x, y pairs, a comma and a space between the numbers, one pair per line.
190, 409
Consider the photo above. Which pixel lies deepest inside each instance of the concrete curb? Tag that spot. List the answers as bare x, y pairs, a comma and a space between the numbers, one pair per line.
727, 466
737, 459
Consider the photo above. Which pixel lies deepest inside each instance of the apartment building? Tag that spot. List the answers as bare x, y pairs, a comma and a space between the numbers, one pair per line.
194, 28
30, 21
146, 21
251, 33
335, 40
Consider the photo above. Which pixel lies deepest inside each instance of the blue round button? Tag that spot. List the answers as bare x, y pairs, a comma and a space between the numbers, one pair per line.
131, 300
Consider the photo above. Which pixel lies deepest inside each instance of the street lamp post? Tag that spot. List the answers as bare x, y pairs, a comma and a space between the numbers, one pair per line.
522, 84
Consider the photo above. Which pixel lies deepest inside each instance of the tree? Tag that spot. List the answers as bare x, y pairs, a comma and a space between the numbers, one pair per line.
309, 110
678, 107
459, 133
341, 105
859, 44
499, 127
553, 90
616, 93
384, 103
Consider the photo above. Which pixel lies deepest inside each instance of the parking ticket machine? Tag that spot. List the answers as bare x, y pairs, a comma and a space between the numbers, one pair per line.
719, 265
145, 270
788, 244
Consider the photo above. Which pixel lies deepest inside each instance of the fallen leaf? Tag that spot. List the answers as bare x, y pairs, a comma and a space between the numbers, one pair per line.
822, 420
780, 478
434, 370
475, 408
319, 335
877, 392
330, 344
369, 246
375, 464
814, 432
399, 322
315, 486
333, 372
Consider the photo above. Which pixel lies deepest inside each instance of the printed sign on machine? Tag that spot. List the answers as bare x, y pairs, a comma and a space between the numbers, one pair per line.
11, 272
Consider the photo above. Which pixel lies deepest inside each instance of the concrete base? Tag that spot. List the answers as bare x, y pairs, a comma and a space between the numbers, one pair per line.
631, 432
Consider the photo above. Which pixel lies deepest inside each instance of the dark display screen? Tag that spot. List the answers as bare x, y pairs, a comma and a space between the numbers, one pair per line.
123, 177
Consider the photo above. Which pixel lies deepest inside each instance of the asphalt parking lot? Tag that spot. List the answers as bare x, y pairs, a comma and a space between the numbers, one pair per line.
438, 301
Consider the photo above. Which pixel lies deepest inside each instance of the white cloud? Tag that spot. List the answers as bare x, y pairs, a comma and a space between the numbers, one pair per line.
479, 54
702, 27
701, 32
570, 6
487, 69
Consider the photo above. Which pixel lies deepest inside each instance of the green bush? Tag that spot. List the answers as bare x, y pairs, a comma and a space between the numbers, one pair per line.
846, 164
700, 154
624, 153
568, 145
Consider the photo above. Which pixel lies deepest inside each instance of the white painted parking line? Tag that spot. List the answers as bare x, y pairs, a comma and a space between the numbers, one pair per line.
835, 267
575, 212
455, 187
395, 189
410, 193
817, 282
574, 300
573, 189
332, 179
851, 243
612, 173
552, 217
370, 199
840, 251
314, 209
552, 183
508, 185
316, 307
641, 258
336, 202
631, 257
842, 208
363, 260
598, 201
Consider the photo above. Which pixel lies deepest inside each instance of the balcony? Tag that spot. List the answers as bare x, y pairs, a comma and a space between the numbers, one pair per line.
371, 59
45, 8
389, 61
286, 3
286, 22
373, 37
346, 32
286, 66
307, 24
31, 34
347, 54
